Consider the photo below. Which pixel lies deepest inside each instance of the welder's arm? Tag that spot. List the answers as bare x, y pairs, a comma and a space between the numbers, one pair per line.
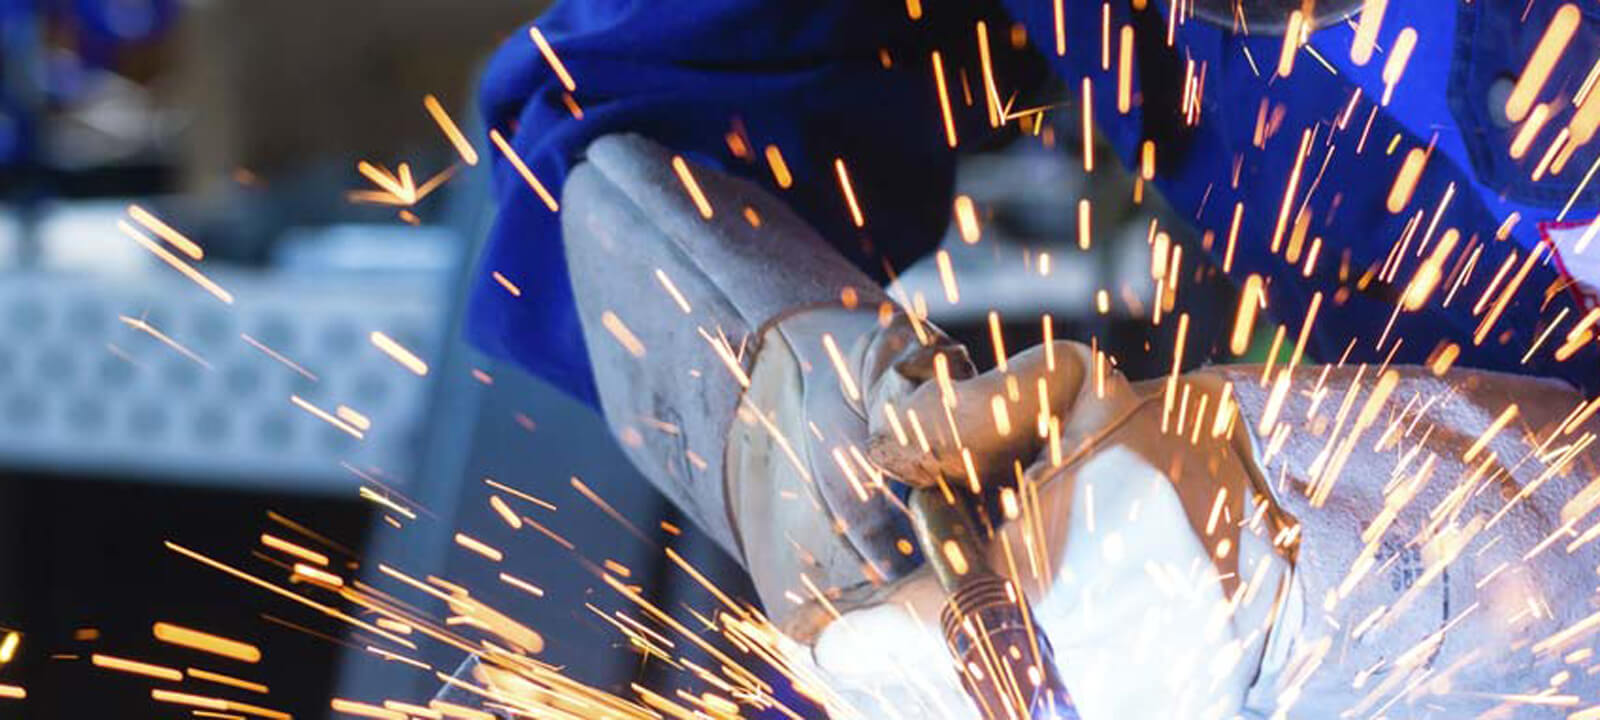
740, 85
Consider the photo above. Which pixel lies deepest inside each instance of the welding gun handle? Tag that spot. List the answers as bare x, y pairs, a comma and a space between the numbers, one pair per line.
1006, 664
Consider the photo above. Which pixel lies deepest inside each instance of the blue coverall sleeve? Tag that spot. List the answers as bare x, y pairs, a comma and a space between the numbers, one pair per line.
720, 82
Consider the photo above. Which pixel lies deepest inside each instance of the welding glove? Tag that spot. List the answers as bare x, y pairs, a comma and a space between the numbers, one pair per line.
735, 355
1124, 533
1372, 574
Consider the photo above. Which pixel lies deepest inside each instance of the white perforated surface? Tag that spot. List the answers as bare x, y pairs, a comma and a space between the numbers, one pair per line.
83, 391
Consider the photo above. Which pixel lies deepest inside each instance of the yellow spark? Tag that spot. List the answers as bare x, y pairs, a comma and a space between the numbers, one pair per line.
967, 220
1293, 33
677, 297
1085, 234
1367, 31
952, 553
550, 57
512, 157
944, 101
1529, 130
849, 192
8, 646
1494, 428
629, 341
1399, 57
1125, 70
914, 9
1086, 96
700, 202
176, 263
478, 547
292, 365
1244, 323
504, 511
991, 95
111, 662
839, 366
506, 283
12, 692
1002, 419
780, 169
350, 707
1534, 75
1061, 28
1291, 189
206, 642
289, 548
326, 417
998, 340
165, 232
522, 585
1405, 181
355, 419
1147, 160
947, 276
398, 353
464, 148
147, 328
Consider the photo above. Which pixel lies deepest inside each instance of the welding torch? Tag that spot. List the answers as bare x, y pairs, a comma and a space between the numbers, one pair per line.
1003, 658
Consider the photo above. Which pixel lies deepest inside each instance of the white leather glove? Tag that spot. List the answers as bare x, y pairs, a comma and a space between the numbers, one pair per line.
1125, 580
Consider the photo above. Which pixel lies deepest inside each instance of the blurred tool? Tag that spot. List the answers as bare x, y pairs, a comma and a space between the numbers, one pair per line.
1005, 662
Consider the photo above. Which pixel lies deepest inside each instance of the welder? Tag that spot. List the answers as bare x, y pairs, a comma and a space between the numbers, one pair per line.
785, 360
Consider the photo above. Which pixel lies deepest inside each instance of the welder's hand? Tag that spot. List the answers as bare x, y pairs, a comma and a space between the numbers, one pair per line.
953, 427
1107, 527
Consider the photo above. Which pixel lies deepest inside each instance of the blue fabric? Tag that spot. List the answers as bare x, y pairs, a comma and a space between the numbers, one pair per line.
806, 76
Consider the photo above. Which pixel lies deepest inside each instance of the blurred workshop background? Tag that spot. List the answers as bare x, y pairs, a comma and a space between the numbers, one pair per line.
136, 408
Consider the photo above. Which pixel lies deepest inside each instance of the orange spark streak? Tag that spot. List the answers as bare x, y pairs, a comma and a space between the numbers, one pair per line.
1367, 31
629, 341
284, 546
780, 169
1061, 29
1505, 295
176, 263
849, 192
1290, 191
1534, 75
677, 297
550, 57
521, 584
1405, 181
398, 353
205, 642
1292, 34
228, 680
944, 106
12, 692
1305, 330
947, 276
158, 672
1399, 57
967, 220
478, 547
1085, 234
1529, 130
506, 283
451, 131
1125, 70
522, 169
151, 330
292, 365
839, 366
1494, 428
700, 202
1244, 323
165, 232
350, 707
991, 95
1087, 97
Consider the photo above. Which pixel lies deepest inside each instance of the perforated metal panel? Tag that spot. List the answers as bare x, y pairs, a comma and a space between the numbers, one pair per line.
85, 389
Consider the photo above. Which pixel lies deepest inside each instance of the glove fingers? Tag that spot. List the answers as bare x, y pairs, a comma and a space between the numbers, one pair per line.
994, 417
